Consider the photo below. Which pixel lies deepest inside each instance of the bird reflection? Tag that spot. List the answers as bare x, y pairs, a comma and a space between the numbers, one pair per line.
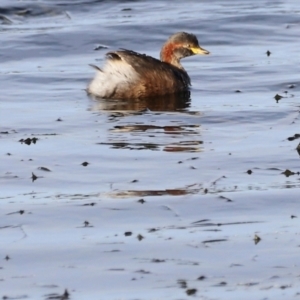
171, 102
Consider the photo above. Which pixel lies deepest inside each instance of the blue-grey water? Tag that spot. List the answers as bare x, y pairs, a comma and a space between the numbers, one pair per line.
161, 199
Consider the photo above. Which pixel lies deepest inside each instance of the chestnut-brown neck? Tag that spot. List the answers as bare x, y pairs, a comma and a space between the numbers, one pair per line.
167, 55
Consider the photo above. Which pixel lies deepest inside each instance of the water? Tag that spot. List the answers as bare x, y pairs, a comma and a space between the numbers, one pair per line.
210, 168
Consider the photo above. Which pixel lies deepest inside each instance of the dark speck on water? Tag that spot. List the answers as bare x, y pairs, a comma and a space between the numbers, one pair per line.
256, 239
34, 177
190, 292
28, 141
277, 97
44, 169
289, 173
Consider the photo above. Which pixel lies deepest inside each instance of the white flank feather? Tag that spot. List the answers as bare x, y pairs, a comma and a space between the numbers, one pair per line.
116, 75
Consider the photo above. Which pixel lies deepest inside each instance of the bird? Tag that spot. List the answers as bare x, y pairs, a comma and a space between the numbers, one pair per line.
130, 75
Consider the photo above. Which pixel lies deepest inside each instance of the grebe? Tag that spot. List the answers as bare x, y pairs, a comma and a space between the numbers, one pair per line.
131, 75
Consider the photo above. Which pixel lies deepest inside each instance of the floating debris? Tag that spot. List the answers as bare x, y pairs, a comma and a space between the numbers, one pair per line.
140, 237
288, 173
225, 198
33, 177
296, 136
89, 204
201, 221
283, 287
64, 296
86, 224
128, 233
44, 169
256, 239
214, 241
278, 97
292, 216
85, 164
28, 141
21, 212
191, 292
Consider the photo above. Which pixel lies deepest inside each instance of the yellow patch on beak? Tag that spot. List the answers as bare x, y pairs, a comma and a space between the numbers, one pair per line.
199, 50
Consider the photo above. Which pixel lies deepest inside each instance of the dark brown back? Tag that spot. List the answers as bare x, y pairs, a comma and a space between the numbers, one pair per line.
155, 77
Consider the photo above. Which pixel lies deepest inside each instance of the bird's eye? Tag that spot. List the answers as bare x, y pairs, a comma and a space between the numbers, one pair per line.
187, 45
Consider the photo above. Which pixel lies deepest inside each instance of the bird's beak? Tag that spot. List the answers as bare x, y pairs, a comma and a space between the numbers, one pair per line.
199, 50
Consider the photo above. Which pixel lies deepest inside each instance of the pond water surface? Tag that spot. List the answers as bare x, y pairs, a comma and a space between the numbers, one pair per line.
166, 199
